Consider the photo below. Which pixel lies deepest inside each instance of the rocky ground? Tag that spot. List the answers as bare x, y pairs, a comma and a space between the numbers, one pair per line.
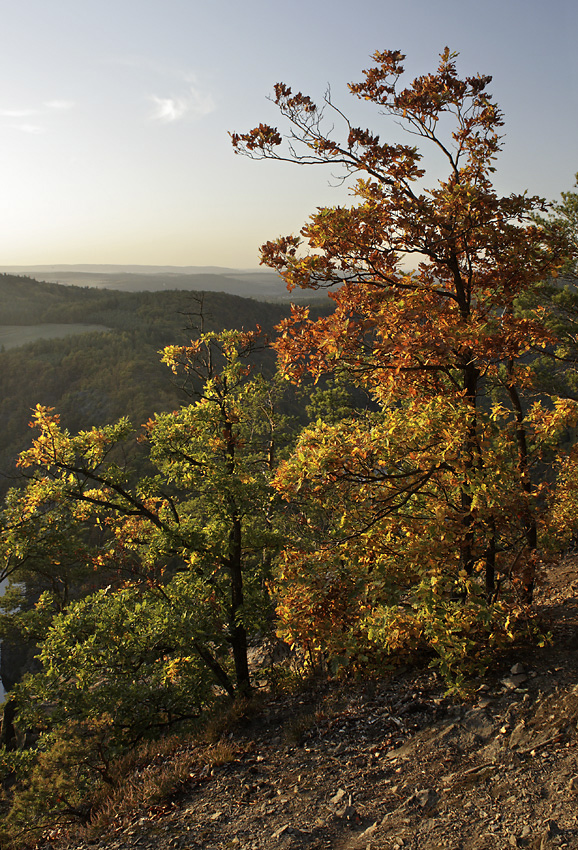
396, 765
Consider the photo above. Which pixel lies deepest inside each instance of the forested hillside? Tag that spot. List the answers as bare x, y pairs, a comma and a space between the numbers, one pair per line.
96, 378
258, 284
27, 301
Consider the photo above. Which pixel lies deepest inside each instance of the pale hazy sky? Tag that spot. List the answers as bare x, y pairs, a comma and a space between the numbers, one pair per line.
114, 113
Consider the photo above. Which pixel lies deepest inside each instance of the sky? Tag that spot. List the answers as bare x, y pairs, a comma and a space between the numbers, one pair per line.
114, 115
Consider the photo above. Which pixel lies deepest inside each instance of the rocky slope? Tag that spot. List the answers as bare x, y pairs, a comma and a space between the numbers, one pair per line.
396, 765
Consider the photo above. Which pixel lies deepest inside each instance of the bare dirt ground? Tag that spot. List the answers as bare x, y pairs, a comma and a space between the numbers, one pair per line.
396, 765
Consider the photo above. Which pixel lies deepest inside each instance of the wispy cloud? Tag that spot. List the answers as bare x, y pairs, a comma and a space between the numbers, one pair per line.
32, 129
47, 108
17, 113
183, 96
167, 109
192, 102
59, 105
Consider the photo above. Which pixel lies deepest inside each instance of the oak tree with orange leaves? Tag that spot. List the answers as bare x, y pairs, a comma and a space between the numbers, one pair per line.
441, 479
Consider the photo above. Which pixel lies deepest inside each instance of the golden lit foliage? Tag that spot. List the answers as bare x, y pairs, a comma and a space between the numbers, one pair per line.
444, 481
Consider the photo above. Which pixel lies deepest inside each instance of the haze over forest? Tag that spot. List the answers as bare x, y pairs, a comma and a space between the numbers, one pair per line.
248, 283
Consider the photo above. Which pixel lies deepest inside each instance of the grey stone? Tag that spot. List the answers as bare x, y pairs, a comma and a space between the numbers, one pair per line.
336, 800
459, 735
514, 681
426, 798
478, 722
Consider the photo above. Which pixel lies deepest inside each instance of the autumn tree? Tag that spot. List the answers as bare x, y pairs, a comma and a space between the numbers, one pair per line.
188, 540
441, 478
147, 555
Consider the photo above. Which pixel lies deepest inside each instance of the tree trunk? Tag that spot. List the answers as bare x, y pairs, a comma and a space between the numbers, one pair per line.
491, 562
238, 633
528, 572
472, 452
234, 561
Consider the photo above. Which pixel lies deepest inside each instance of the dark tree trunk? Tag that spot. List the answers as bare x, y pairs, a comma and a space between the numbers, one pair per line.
472, 452
234, 561
216, 668
238, 632
528, 573
491, 562
8, 731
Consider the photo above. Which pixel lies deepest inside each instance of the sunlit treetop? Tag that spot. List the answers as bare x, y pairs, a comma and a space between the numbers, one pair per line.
474, 251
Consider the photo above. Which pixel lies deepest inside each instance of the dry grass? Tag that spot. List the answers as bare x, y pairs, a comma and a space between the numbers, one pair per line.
149, 776
224, 752
226, 719
158, 770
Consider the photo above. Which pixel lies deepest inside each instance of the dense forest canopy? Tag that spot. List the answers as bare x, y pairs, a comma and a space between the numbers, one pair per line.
24, 300
96, 378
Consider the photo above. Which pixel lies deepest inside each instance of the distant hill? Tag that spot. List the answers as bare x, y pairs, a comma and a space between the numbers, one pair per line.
24, 300
115, 268
93, 375
248, 283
